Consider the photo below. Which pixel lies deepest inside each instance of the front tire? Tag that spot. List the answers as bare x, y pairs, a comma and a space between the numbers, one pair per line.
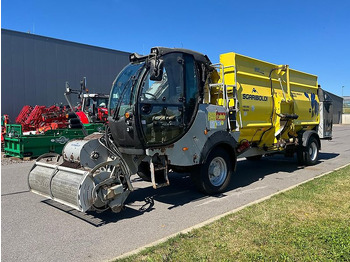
214, 175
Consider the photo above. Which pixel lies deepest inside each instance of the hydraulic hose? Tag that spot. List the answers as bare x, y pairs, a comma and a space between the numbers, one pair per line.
107, 142
273, 104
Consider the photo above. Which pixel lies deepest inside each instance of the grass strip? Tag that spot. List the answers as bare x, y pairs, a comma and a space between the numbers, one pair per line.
308, 223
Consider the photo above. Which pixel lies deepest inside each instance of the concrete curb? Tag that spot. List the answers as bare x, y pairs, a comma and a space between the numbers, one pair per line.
204, 223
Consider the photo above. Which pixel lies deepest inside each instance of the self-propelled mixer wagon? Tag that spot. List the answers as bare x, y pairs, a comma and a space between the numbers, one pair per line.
173, 110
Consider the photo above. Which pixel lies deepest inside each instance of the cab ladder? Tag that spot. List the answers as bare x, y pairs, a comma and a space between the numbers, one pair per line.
228, 93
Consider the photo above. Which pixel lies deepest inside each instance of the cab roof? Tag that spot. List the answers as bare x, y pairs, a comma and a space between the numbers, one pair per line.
160, 51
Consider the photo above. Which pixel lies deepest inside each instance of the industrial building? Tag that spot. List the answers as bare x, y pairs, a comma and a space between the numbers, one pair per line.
346, 104
346, 110
34, 69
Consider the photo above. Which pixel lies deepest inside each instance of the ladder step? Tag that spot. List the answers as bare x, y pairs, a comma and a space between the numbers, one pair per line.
157, 180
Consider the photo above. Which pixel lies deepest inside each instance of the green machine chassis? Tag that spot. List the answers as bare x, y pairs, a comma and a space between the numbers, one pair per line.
19, 145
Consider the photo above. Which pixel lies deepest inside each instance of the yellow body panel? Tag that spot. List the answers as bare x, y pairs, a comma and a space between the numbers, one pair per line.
265, 93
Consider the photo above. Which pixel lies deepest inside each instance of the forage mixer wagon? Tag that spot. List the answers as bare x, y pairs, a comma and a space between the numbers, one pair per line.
173, 110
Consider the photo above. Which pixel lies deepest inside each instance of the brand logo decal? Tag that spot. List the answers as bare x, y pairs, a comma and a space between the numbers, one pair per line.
314, 110
254, 97
62, 140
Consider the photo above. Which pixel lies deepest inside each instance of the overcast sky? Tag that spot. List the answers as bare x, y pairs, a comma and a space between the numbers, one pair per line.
311, 36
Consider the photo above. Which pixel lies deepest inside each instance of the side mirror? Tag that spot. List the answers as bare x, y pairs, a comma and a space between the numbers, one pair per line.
156, 69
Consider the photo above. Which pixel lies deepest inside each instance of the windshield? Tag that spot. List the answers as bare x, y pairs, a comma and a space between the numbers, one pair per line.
122, 87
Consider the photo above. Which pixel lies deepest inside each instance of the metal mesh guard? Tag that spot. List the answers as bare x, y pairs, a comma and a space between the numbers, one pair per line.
68, 186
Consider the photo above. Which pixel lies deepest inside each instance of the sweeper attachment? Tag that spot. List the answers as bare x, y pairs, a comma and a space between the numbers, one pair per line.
86, 177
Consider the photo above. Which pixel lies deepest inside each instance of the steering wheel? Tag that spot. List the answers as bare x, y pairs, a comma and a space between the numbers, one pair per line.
152, 95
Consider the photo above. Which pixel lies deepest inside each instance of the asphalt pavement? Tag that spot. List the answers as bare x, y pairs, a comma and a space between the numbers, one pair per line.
36, 229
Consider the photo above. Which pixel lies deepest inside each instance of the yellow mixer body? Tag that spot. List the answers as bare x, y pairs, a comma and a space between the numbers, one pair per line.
267, 96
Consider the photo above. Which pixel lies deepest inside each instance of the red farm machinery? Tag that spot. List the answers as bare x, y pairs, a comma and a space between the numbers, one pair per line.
42, 129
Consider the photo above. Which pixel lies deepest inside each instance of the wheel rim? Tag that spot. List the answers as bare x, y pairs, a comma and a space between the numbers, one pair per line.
217, 171
313, 151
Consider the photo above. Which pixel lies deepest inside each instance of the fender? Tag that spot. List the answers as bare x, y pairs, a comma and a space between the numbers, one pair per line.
220, 138
83, 118
305, 136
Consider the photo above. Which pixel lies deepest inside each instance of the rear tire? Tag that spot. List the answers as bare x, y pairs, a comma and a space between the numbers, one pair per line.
214, 175
74, 122
309, 155
312, 150
301, 155
72, 115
